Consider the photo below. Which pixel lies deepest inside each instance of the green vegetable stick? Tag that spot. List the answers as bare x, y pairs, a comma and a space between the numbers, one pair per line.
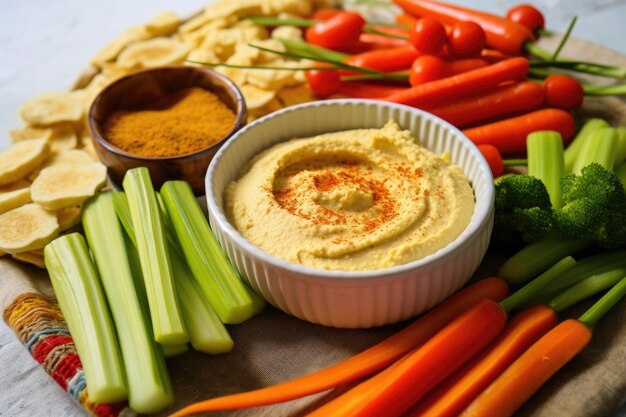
574, 148
545, 161
218, 279
620, 171
620, 151
149, 386
167, 322
80, 296
169, 351
600, 148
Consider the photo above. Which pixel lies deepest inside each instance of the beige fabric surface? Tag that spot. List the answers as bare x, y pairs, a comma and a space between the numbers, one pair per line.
275, 347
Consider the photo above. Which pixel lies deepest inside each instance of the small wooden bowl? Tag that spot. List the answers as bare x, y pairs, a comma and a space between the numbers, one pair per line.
137, 91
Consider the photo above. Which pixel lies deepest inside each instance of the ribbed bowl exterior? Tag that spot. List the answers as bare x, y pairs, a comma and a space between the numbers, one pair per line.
365, 298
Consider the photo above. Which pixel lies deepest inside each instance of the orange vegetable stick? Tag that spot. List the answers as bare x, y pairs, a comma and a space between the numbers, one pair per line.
462, 85
365, 363
494, 159
397, 388
510, 99
460, 389
507, 393
509, 135
364, 89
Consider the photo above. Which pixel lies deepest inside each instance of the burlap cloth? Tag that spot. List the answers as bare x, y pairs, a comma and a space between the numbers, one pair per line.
275, 347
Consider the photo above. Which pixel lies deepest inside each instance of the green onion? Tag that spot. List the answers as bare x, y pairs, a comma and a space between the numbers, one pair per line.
218, 279
81, 298
600, 148
165, 313
309, 51
545, 161
149, 386
574, 148
206, 331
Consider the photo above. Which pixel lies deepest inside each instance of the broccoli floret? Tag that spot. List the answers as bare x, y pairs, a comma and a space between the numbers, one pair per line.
523, 212
594, 207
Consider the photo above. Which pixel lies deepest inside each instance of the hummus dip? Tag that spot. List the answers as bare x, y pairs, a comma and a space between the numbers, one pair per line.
356, 200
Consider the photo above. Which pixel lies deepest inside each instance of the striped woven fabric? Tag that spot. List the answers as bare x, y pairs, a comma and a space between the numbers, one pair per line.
40, 326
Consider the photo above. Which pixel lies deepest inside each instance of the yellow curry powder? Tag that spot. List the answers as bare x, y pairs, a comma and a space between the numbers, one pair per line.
187, 121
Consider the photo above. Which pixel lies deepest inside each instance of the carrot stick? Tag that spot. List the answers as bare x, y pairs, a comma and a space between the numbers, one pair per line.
461, 388
542, 360
462, 85
361, 89
365, 363
510, 99
374, 41
494, 159
395, 389
509, 135
406, 19
502, 34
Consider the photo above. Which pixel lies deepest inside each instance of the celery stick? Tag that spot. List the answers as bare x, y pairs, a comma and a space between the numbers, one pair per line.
620, 171
545, 161
149, 386
586, 288
167, 322
80, 296
600, 148
574, 148
169, 351
218, 279
602, 306
620, 151
120, 202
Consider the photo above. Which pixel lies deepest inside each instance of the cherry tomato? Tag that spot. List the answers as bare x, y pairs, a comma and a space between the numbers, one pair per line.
494, 159
323, 82
466, 39
563, 92
428, 36
338, 31
325, 14
427, 68
526, 15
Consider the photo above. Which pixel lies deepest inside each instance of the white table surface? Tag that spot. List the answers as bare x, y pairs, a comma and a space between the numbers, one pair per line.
43, 47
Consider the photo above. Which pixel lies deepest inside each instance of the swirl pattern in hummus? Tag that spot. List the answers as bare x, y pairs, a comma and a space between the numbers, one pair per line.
356, 200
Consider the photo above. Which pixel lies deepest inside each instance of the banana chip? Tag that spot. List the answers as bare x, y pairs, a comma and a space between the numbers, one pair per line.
153, 53
26, 228
273, 79
70, 157
50, 108
29, 132
86, 144
163, 24
68, 217
31, 257
256, 97
67, 185
287, 32
202, 55
21, 159
14, 195
296, 95
63, 138
113, 49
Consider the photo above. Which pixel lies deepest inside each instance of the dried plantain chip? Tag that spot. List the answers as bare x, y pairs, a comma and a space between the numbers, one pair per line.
29, 132
31, 257
67, 185
68, 217
21, 159
256, 97
163, 24
63, 138
153, 53
50, 108
14, 195
26, 228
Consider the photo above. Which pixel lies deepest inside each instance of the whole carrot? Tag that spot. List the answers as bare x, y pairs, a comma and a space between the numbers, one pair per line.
428, 68
502, 34
509, 135
462, 85
396, 389
384, 60
365, 363
507, 100
542, 360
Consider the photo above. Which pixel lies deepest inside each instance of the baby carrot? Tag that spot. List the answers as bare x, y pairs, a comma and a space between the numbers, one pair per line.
363, 89
462, 387
494, 159
542, 360
462, 85
384, 60
509, 135
507, 100
365, 363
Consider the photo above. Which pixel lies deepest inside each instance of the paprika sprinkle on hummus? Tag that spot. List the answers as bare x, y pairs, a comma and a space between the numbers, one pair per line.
356, 200
188, 121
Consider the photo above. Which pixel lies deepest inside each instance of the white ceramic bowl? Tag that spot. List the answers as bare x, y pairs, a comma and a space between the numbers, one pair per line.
363, 298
